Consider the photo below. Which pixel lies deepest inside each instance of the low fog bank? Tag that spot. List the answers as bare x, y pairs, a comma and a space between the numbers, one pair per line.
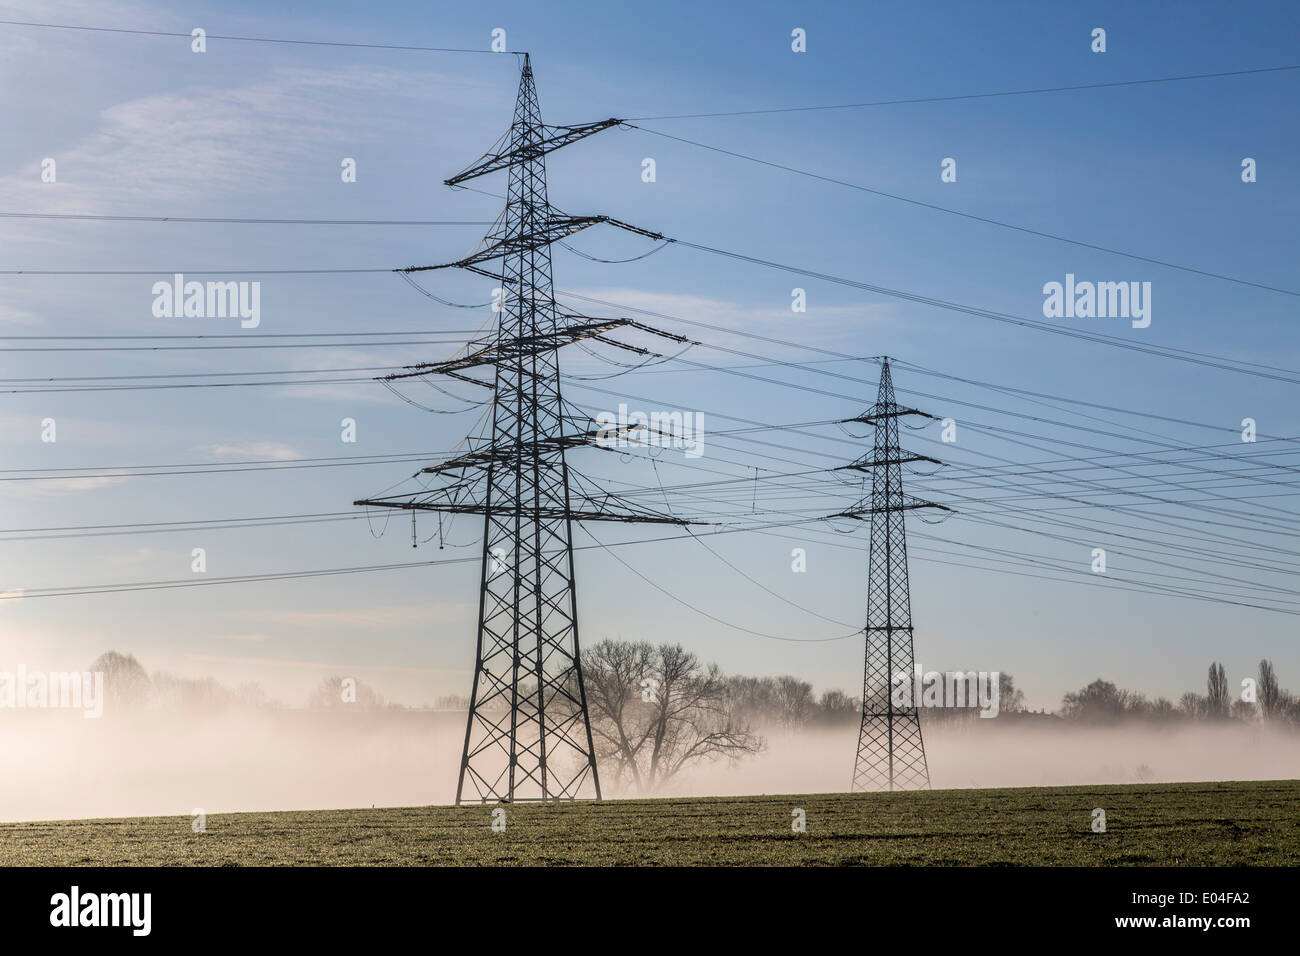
62, 766
166, 764
1006, 754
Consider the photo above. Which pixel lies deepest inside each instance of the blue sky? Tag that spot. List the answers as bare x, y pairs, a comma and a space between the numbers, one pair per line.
139, 125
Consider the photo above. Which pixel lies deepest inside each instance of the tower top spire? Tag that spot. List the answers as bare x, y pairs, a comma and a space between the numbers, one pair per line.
886, 391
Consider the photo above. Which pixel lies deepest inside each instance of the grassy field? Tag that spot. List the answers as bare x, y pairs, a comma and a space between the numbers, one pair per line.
1194, 824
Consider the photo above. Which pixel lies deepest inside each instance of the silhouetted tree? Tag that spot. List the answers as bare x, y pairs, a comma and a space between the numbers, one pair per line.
656, 710
204, 694
1269, 694
837, 707
753, 699
334, 694
126, 684
795, 702
1101, 701
1162, 708
1217, 701
1011, 700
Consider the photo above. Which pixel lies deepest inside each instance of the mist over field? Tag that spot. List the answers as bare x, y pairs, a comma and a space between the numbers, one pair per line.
62, 766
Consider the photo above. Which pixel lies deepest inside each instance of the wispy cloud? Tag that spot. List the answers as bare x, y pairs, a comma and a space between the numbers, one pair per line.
173, 150
382, 616
323, 666
58, 486
730, 314
259, 450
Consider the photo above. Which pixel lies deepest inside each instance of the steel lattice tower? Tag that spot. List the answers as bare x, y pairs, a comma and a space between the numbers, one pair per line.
528, 734
891, 753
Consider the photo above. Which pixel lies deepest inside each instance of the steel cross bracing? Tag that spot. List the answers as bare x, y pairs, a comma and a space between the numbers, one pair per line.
891, 753
528, 734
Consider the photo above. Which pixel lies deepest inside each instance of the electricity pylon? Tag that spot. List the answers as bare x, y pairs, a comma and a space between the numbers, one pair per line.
528, 734
891, 753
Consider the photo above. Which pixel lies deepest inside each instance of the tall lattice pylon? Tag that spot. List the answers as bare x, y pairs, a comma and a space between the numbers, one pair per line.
891, 752
528, 733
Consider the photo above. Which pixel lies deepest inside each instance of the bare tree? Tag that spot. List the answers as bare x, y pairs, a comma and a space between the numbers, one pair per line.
1162, 708
1270, 694
837, 707
795, 702
1192, 705
656, 710
1011, 699
1244, 711
339, 693
182, 693
619, 688
126, 683
1101, 701
753, 699
1217, 703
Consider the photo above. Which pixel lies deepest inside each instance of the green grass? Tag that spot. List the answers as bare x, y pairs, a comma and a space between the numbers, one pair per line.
1193, 824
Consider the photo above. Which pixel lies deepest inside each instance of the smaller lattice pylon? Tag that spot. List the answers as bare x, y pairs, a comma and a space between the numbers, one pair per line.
891, 751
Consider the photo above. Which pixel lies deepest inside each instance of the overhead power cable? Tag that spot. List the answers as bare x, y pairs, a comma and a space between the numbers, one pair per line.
228, 220
976, 96
247, 39
971, 216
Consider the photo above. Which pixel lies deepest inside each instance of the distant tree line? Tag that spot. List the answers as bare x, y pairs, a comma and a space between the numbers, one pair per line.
660, 689
1258, 699
129, 687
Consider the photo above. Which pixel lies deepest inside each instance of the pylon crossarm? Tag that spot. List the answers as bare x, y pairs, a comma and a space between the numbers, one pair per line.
552, 229
500, 453
546, 232
633, 324
539, 514
510, 348
628, 227
886, 509
874, 414
559, 136
867, 462
627, 347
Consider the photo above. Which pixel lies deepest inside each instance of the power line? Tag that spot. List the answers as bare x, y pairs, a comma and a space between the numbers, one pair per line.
151, 585
247, 221
703, 613
232, 335
244, 39
120, 378
205, 468
1162, 351
365, 380
1147, 588
164, 528
976, 96
1082, 482
190, 272
223, 348
1288, 376
971, 216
